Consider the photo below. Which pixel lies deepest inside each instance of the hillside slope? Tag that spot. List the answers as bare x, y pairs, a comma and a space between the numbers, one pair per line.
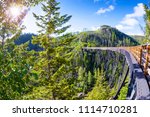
107, 36
139, 38
27, 37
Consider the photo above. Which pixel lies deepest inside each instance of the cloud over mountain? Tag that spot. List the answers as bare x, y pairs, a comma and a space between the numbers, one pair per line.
130, 21
104, 10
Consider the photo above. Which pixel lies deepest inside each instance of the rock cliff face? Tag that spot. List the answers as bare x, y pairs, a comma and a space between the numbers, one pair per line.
113, 64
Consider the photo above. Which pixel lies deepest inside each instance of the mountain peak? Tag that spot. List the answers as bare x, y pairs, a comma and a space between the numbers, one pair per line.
109, 36
105, 26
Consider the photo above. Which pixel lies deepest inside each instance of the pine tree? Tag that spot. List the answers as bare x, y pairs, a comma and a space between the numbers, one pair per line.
101, 90
85, 83
81, 77
90, 79
147, 21
53, 62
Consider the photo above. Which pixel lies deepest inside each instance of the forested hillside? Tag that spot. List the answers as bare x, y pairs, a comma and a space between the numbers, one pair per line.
139, 39
24, 38
27, 38
107, 36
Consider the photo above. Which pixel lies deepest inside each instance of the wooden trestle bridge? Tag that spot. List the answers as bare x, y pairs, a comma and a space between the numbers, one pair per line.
138, 59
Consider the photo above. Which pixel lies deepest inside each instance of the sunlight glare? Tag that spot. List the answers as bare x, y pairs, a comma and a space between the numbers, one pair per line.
15, 11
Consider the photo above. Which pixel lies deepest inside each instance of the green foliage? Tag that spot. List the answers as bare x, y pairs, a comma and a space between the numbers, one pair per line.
14, 72
124, 90
147, 22
112, 63
139, 39
45, 74
54, 61
101, 90
106, 36
82, 80
90, 79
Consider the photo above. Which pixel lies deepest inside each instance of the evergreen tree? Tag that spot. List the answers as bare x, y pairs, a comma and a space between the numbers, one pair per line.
90, 79
101, 90
85, 83
147, 21
14, 71
52, 66
81, 77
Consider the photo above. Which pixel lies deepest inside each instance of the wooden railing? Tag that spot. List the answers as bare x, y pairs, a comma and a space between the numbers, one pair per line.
142, 55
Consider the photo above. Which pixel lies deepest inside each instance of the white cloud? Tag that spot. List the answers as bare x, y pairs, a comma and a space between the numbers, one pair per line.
130, 21
74, 29
104, 10
121, 27
138, 11
95, 28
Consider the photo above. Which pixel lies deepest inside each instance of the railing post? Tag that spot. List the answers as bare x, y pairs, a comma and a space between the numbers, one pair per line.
141, 56
146, 62
146, 65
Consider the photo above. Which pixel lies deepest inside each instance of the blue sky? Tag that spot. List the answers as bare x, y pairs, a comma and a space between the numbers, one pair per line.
125, 15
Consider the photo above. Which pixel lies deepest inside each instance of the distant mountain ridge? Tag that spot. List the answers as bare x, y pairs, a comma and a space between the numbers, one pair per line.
139, 38
107, 36
24, 38
27, 37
